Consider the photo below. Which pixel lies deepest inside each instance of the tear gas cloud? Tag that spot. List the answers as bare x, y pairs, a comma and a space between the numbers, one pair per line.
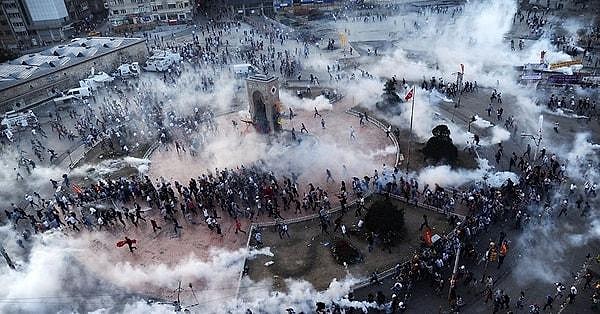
284, 158
545, 238
308, 104
475, 38
188, 93
37, 181
49, 280
446, 176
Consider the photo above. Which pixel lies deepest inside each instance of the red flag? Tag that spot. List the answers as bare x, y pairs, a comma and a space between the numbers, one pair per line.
77, 189
462, 68
123, 242
410, 94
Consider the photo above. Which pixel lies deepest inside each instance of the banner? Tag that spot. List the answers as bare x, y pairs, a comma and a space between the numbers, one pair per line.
533, 76
564, 64
564, 79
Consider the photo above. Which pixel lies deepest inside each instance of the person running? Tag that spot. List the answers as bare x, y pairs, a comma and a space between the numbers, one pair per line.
329, 176
303, 129
154, 225
317, 113
129, 242
238, 227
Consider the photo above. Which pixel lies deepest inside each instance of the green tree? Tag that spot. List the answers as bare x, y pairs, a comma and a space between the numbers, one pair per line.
439, 147
385, 219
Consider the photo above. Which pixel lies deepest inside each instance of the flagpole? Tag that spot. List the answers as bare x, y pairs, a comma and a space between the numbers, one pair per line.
412, 111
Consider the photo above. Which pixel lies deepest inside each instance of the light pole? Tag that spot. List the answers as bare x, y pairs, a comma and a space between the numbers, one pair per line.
537, 139
9, 261
70, 158
459, 79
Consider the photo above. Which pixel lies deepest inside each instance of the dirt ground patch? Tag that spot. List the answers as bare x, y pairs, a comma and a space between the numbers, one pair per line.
307, 253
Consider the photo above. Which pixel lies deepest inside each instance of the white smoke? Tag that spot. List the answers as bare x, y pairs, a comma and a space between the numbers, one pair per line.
448, 177
308, 104
46, 281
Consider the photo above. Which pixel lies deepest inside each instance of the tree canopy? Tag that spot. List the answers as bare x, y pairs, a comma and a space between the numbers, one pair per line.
439, 147
386, 219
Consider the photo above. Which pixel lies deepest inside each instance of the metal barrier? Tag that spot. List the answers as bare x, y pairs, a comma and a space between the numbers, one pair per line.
383, 127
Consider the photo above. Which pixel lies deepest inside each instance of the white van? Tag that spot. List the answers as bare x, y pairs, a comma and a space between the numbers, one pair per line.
80, 92
128, 70
160, 61
157, 64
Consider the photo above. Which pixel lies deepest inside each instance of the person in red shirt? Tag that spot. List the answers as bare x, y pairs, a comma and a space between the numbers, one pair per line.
129, 242
238, 226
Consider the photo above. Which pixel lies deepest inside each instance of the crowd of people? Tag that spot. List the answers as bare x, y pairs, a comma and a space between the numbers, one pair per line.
582, 106
136, 112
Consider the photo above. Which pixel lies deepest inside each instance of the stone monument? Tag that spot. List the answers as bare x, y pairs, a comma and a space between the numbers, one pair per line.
263, 96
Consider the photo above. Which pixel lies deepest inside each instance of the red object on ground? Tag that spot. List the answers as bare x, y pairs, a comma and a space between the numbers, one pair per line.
427, 234
123, 242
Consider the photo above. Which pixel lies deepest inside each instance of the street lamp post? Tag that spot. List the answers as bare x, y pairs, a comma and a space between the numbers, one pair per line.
459, 79
9, 261
537, 140
70, 158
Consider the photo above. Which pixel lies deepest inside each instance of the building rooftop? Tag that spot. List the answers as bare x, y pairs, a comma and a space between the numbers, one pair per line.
30, 66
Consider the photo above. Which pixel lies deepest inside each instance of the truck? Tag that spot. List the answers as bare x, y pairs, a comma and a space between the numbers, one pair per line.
17, 121
95, 81
127, 70
74, 93
160, 61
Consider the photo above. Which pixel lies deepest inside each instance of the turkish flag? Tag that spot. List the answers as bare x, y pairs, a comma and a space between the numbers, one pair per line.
410, 94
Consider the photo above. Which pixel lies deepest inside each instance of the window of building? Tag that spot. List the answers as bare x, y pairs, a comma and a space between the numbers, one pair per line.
171, 5
115, 12
123, 11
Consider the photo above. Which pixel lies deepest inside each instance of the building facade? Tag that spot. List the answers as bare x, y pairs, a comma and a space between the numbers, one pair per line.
245, 7
46, 21
26, 24
128, 12
78, 10
13, 25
